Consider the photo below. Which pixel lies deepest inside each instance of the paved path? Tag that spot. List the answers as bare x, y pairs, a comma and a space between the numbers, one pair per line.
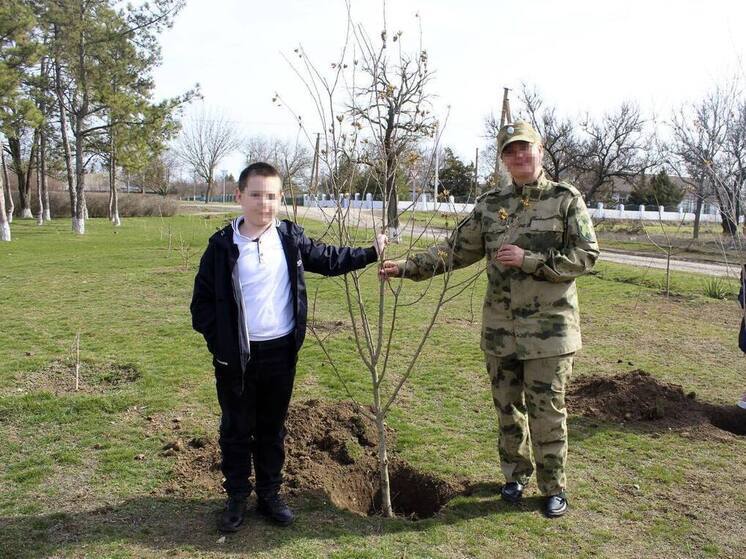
365, 218
640, 261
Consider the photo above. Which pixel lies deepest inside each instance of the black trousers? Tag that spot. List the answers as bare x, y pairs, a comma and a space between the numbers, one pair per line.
252, 426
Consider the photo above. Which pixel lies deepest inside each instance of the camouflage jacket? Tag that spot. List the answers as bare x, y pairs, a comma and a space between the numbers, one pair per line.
531, 311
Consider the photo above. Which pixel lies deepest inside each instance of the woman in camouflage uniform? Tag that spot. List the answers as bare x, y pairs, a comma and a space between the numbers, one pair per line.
537, 237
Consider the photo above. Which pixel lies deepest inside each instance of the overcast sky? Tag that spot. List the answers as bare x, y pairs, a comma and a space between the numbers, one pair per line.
582, 55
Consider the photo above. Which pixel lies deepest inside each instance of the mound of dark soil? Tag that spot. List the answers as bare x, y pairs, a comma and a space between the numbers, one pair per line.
330, 448
633, 396
638, 397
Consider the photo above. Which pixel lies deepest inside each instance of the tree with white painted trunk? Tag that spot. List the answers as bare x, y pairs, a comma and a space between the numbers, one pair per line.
4, 169
19, 51
4, 223
90, 41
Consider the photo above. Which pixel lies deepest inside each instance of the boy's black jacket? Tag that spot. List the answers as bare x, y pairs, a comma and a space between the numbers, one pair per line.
217, 308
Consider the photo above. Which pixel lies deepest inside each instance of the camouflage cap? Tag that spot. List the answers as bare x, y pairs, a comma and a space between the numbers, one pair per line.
519, 131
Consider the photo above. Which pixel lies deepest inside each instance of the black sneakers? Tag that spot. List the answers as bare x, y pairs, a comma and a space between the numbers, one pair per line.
233, 514
512, 492
275, 509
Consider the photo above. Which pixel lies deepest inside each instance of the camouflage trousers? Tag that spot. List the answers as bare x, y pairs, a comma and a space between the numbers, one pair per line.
529, 396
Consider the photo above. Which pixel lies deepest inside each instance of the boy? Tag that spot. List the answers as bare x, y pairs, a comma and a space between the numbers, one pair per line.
250, 304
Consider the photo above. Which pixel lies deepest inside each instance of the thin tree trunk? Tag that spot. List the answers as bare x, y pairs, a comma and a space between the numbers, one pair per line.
39, 198
392, 209
110, 209
80, 114
44, 213
14, 144
4, 224
65, 142
209, 190
47, 213
726, 210
11, 206
113, 197
79, 212
383, 459
697, 216
31, 170
668, 271
115, 219
392, 216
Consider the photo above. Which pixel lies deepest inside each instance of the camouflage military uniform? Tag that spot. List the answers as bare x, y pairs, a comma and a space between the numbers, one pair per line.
530, 322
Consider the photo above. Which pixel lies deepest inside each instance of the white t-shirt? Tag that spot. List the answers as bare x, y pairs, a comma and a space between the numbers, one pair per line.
265, 284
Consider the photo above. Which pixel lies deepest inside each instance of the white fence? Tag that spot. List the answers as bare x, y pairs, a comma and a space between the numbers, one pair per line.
423, 204
639, 213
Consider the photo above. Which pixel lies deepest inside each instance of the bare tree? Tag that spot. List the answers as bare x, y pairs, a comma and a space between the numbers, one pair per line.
732, 180
204, 142
562, 147
372, 144
709, 144
698, 139
393, 102
616, 146
260, 148
293, 159
666, 244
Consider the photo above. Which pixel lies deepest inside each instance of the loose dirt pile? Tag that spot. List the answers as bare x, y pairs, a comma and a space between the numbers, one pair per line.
331, 448
633, 396
637, 397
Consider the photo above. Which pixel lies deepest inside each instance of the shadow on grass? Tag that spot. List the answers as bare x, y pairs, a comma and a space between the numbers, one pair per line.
174, 523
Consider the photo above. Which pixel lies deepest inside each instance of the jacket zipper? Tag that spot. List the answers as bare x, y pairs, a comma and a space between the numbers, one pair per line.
244, 356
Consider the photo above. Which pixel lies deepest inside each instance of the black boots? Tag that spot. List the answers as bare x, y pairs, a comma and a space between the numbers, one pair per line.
233, 514
275, 509
272, 507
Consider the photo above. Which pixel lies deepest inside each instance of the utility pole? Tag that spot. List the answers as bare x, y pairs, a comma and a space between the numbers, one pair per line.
437, 166
315, 167
476, 171
225, 174
505, 117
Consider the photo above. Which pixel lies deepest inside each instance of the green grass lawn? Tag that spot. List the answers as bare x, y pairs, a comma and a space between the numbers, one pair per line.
82, 473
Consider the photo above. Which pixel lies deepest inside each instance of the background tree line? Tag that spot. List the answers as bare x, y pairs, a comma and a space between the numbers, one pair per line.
76, 88
701, 144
